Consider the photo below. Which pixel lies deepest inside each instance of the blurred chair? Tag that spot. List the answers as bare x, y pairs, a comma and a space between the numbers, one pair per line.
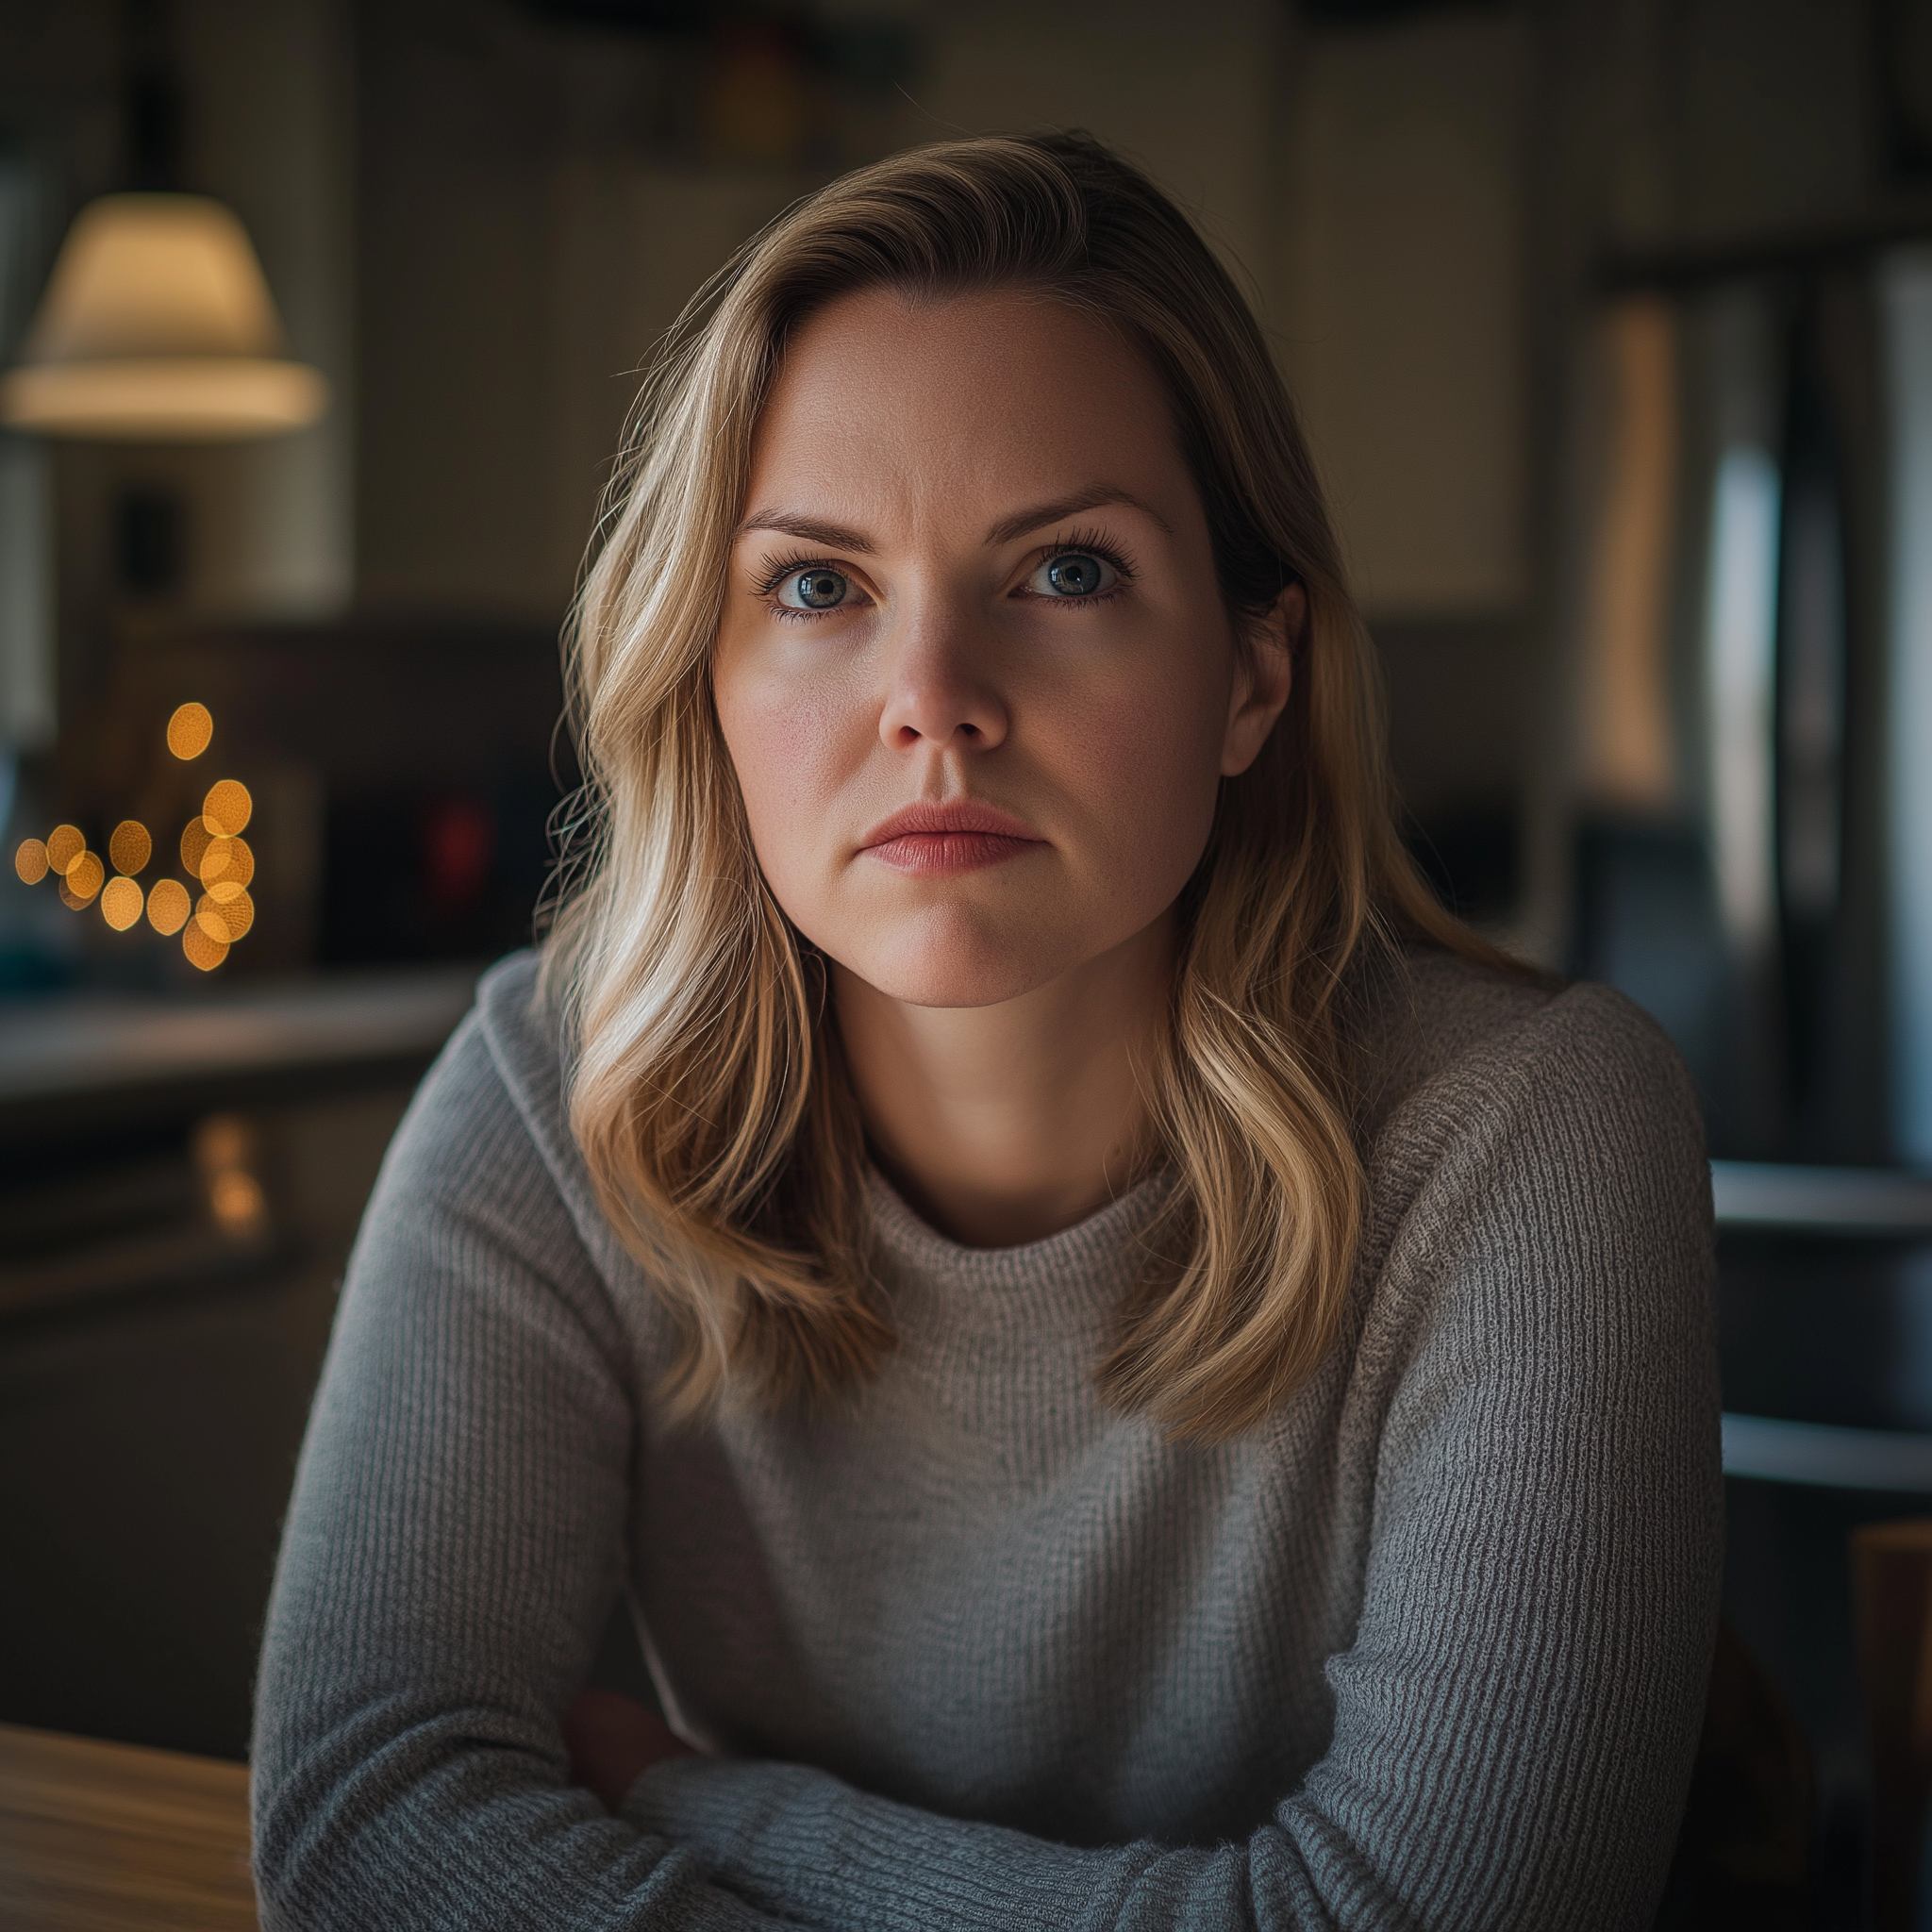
1891, 1585
1744, 1850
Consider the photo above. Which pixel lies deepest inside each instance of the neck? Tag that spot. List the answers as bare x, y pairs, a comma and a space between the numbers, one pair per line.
1006, 1124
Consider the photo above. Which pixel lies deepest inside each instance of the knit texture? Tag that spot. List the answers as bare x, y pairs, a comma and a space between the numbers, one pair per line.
1426, 1650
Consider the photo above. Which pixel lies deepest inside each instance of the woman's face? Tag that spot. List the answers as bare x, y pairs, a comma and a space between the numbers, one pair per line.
974, 671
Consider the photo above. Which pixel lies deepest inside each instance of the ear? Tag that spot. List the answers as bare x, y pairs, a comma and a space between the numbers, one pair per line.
1264, 675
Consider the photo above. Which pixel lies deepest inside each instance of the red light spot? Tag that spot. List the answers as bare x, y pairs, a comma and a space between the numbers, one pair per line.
458, 849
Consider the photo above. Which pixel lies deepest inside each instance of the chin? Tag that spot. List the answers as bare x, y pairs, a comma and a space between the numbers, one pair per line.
949, 961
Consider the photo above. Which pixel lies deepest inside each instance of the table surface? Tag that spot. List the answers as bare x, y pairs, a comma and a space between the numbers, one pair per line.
76, 1069
108, 1838
61, 1047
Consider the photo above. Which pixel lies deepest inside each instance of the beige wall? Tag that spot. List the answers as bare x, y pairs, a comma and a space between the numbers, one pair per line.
1191, 92
1404, 306
522, 256
521, 253
272, 130
268, 129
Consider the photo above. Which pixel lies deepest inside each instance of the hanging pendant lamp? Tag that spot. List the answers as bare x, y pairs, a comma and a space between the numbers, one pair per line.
158, 327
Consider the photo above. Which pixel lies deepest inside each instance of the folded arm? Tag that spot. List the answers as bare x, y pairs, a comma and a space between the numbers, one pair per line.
1515, 1720
454, 1540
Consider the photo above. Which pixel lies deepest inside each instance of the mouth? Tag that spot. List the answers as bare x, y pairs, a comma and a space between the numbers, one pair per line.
963, 835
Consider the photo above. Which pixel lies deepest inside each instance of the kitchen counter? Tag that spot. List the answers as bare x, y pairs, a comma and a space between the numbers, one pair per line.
80, 1063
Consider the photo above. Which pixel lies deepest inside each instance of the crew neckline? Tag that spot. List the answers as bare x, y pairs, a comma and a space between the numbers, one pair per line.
909, 1240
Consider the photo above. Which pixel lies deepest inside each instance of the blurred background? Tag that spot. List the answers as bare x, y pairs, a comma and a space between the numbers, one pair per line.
1611, 325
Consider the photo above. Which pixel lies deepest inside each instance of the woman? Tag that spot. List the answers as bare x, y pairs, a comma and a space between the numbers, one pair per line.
1132, 1372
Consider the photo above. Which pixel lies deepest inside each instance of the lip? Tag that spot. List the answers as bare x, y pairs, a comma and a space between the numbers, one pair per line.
962, 836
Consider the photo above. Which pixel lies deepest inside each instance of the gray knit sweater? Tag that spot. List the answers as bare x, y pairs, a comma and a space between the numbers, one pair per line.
1426, 1650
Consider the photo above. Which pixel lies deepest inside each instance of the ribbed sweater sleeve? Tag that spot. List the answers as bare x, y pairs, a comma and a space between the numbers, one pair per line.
456, 1536
1501, 1500
1515, 1718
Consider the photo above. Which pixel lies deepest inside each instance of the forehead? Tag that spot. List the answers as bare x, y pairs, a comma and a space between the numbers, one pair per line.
890, 403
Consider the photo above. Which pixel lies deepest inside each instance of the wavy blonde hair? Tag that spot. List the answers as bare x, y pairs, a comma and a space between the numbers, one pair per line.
707, 1090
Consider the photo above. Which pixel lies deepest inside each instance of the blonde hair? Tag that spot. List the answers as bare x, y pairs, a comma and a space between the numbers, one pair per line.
707, 1090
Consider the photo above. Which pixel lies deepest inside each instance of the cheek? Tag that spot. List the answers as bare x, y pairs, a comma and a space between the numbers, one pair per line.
792, 745
1140, 759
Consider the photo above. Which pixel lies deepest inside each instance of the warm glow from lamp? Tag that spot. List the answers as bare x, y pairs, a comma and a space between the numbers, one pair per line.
158, 327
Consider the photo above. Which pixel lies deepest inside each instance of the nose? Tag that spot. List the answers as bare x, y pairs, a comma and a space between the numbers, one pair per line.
939, 690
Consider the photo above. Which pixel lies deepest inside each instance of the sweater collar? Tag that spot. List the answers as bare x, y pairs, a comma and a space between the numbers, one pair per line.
1082, 1269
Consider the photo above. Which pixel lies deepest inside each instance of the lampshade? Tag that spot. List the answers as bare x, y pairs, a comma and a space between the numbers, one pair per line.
158, 327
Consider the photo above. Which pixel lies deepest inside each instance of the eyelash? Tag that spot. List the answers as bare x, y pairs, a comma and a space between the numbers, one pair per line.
1086, 542
779, 569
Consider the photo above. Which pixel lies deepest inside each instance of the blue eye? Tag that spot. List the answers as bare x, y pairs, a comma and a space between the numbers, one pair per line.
1072, 574
817, 589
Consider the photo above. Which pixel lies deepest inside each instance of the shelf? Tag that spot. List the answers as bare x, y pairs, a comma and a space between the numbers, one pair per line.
1771, 1450
72, 1066
1821, 1200
1684, 267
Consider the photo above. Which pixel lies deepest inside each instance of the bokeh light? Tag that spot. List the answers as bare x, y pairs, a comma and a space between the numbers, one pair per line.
202, 951
64, 845
226, 867
212, 850
168, 906
190, 730
221, 1139
121, 900
225, 919
130, 847
85, 876
235, 1195
227, 808
195, 839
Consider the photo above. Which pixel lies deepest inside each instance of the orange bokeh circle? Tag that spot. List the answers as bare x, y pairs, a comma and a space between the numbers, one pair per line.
225, 919
201, 950
168, 906
86, 875
195, 839
64, 845
227, 807
190, 730
121, 901
129, 847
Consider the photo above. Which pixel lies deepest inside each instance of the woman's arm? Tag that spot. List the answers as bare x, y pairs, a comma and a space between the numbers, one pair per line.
1515, 1721
455, 1541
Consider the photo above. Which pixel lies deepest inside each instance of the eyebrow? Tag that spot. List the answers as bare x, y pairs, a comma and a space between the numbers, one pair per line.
1093, 497
839, 537
808, 529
